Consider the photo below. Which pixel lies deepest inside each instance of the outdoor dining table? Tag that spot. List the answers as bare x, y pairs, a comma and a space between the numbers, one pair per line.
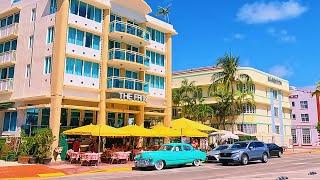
84, 157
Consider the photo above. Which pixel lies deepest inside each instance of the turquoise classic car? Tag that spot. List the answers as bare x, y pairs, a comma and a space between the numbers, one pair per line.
170, 155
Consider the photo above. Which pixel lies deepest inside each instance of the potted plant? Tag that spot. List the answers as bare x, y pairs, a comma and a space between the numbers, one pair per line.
25, 148
43, 141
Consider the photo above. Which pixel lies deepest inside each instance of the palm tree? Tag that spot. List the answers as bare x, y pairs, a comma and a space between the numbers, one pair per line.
317, 91
225, 87
187, 97
164, 11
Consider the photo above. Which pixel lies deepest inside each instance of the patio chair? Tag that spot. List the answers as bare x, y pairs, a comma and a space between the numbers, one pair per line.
74, 157
114, 157
124, 157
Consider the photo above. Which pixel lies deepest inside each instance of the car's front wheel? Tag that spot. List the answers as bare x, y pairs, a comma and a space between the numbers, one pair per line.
196, 162
280, 154
264, 158
244, 159
159, 165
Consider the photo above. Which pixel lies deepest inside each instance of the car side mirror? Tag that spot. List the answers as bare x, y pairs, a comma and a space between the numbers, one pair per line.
251, 147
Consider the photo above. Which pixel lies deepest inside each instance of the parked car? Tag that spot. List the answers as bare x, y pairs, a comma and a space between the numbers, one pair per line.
213, 155
170, 155
245, 151
275, 150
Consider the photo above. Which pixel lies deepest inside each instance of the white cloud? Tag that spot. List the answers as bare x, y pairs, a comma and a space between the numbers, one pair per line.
281, 71
235, 36
264, 12
281, 35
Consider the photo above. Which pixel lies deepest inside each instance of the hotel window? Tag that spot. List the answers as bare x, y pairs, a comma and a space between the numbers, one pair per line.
7, 72
30, 41
81, 38
53, 6
305, 118
245, 88
293, 104
8, 46
156, 35
10, 121
28, 70
82, 68
114, 44
277, 129
293, 117
294, 136
113, 72
155, 81
50, 35
7, 21
247, 128
15, 1
33, 14
249, 109
276, 112
156, 58
114, 17
85, 10
47, 65
304, 104
306, 136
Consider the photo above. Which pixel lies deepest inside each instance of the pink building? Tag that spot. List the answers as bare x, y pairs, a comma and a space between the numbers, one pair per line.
304, 117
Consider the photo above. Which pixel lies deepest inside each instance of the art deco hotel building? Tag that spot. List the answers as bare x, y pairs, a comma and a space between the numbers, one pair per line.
68, 63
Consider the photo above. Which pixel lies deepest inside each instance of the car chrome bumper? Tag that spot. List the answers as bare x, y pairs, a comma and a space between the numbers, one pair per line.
143, 163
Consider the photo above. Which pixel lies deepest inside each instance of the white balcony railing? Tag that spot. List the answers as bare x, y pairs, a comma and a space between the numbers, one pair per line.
127, 83
119, 26
7, 57
131, 56
9, 30
6, 85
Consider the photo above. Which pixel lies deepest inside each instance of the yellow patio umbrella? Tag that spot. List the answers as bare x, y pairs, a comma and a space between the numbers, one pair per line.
193, 133
183, 123
138, 131
163, 131
96, 130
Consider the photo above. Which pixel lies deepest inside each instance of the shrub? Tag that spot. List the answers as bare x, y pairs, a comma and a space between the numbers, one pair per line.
26, 145
43, 141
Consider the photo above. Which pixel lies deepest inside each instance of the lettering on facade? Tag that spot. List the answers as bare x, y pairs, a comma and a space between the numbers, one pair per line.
274, 80
133, 97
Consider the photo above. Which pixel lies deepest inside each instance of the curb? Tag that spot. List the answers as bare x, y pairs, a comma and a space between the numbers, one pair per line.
59, 174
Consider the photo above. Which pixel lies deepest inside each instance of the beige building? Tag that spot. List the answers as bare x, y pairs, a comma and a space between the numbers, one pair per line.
269, 119
68, 63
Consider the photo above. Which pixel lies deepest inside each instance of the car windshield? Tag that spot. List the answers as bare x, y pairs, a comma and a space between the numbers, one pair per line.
166, 148
219, 148
240, 145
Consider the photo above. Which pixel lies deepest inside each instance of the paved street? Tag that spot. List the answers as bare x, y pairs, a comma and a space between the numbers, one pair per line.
293, 166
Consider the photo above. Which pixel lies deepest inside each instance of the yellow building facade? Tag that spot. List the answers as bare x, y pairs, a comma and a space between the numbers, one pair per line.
68, 63
269, 120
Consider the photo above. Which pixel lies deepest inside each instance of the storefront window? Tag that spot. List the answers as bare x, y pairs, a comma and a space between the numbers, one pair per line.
45, 117
88, 118
64, 117
120, 120
111, 119
75, 118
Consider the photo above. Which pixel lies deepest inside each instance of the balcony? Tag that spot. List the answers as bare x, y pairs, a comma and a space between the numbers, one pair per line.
131, 59
135, 85
129, 33
7, 58
9, 32
6, 85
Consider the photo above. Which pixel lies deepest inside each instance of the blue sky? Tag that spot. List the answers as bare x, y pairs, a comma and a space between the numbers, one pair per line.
275, 36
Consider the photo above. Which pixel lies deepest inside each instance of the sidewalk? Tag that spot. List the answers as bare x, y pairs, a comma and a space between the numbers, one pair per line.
56, 169
301, 151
